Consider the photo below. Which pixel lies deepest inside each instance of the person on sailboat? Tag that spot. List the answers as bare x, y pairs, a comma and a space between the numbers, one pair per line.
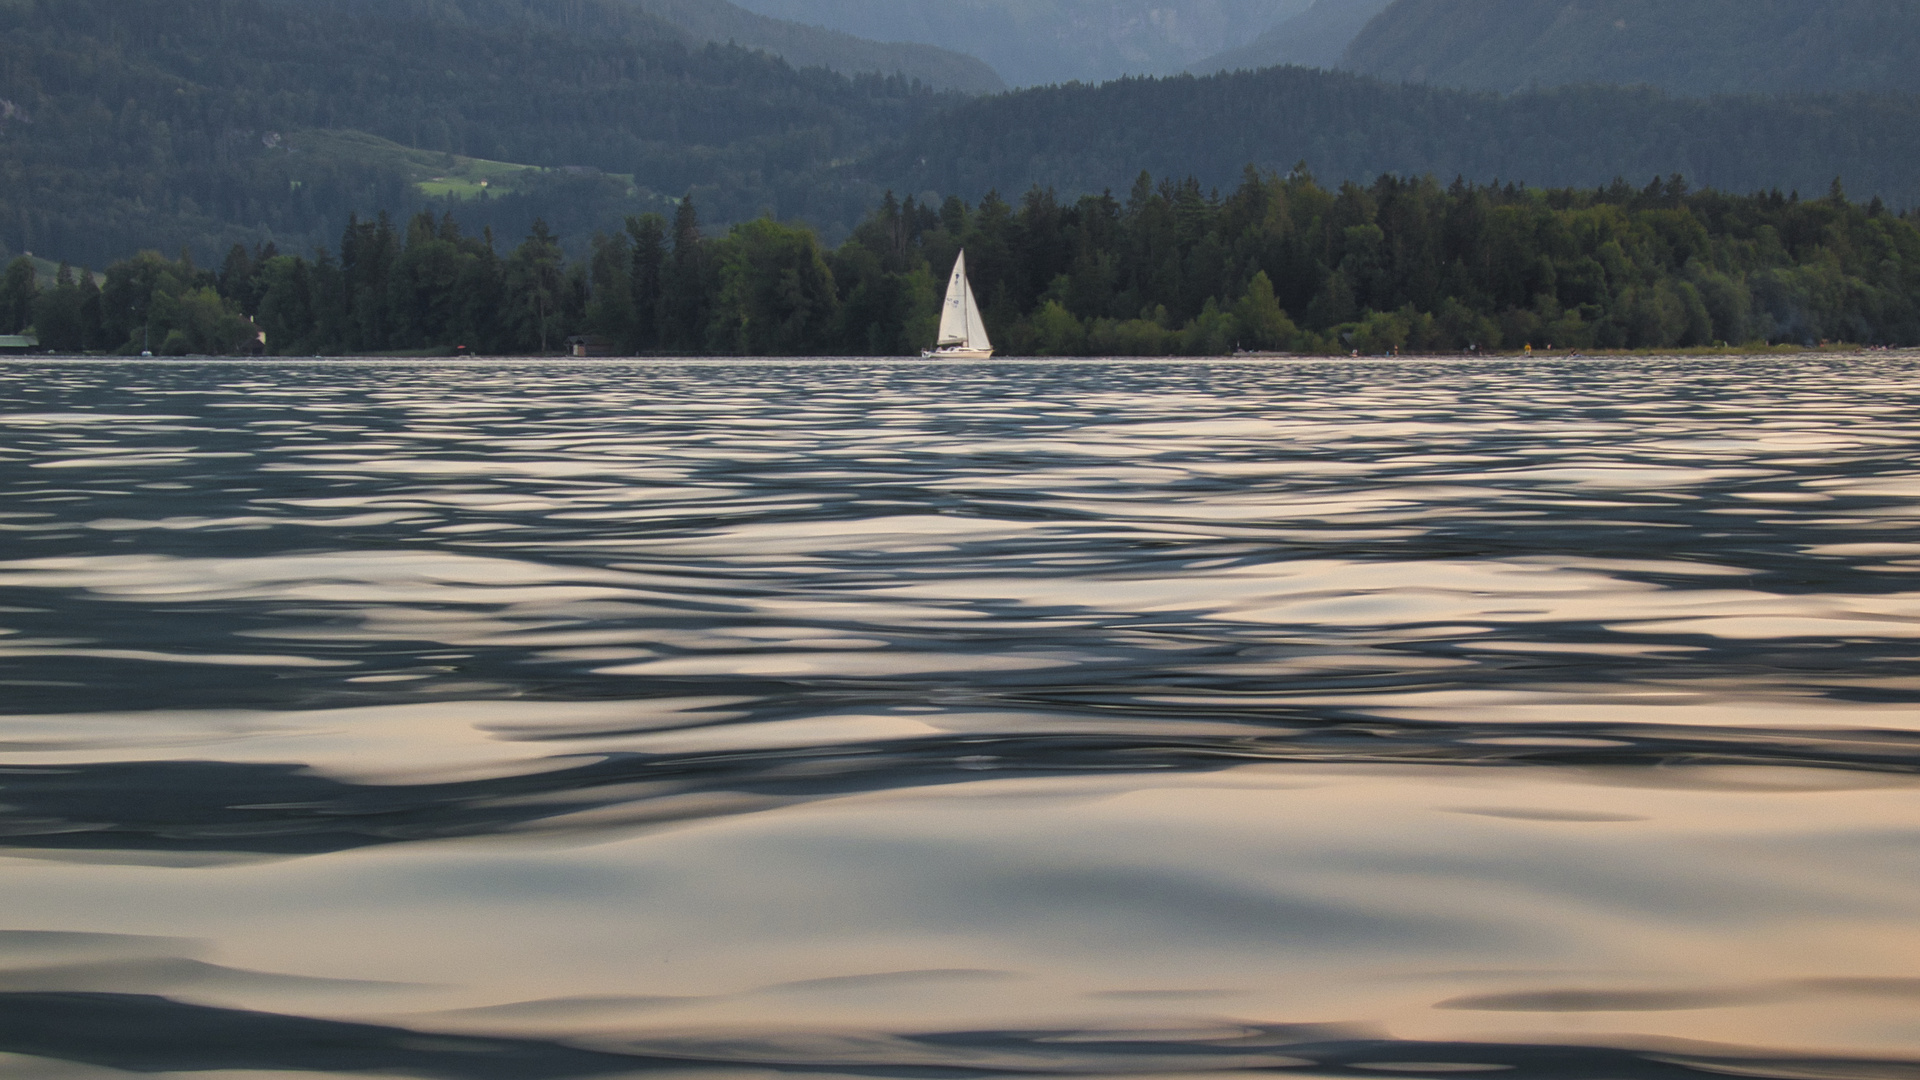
962, 335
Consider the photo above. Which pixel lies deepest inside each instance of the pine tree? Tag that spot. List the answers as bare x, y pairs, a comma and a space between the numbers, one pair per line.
18, 288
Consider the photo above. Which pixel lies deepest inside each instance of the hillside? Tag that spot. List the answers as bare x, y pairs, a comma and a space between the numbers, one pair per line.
1317, 37
163, 123
802, 44
1695, 47
1036, 42
200, 124
1079, 139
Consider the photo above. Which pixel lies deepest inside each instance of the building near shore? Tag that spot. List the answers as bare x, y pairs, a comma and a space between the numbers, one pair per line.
589, 345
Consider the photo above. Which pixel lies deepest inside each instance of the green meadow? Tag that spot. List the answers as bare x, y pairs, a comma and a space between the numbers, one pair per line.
433, 173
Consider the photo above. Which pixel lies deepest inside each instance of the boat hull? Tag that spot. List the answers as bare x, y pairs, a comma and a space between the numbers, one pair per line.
956, 354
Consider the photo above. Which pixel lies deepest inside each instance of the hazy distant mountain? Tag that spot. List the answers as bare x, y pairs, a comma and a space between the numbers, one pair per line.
1686, 46
803, 44
1317, 37
1034, 42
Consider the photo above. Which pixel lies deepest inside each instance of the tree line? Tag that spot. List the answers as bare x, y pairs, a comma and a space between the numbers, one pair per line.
1281, 263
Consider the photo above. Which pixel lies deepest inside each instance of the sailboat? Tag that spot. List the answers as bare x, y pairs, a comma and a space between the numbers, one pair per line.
962, 335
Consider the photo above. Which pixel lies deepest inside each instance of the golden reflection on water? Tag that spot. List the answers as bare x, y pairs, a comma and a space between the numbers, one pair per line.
1759, 907
1158, 718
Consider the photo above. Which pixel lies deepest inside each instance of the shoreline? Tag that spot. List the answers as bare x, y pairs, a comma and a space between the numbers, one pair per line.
1542, 356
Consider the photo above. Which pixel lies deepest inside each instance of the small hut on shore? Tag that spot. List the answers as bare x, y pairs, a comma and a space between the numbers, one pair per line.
589, 345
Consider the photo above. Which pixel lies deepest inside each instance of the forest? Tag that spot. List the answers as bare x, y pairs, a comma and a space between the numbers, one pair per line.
1037, 42
1281, 263
1693, 47
163, 124
1085, 138
127, 124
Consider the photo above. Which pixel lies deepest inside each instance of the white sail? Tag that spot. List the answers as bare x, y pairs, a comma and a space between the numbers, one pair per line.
976, 330
962, 333
954, 328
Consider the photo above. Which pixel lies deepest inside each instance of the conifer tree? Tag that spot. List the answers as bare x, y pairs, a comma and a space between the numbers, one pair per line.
18, 288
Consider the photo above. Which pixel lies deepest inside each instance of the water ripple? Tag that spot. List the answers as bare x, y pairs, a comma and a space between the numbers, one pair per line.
1449, 703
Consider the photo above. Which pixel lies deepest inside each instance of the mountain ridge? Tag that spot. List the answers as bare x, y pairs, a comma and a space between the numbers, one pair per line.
137, 123
1691, 47
804, 45
205, 123
1041, 42
1317, 37
1345, 126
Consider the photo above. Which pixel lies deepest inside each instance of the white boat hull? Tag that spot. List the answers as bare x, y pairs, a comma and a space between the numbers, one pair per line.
956, 354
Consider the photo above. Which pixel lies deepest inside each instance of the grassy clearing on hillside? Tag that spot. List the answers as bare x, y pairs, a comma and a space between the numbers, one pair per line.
433, 173
46, 271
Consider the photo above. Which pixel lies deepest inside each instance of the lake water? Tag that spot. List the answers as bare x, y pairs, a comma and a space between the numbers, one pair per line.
516, 721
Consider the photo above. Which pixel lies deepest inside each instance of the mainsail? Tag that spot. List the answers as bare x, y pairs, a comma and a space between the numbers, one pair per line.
960, 325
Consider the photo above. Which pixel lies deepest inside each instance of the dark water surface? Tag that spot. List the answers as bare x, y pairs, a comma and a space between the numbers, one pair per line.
495, 721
